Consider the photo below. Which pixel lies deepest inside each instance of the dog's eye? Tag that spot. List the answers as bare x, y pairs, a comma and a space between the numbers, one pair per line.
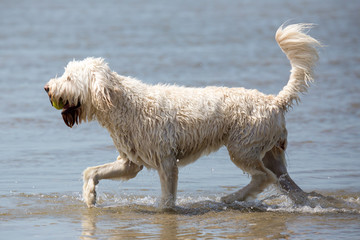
68, 78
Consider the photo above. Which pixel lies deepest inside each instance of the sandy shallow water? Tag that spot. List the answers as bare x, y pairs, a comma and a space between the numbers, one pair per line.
191, 43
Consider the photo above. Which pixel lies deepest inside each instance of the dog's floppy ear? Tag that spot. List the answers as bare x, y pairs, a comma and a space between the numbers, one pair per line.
101, 86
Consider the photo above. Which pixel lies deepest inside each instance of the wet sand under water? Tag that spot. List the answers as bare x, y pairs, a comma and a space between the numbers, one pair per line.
137, 217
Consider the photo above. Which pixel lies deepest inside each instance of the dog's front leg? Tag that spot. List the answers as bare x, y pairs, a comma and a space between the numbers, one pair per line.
120, 169
168, 173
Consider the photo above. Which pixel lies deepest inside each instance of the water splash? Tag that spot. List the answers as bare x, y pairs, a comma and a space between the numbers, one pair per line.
29, 204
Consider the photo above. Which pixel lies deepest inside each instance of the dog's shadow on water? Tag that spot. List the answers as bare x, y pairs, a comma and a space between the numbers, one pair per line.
190, 208
203, 207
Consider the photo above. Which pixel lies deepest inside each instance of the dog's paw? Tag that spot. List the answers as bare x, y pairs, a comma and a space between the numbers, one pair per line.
90, 199
228, 199
89, 194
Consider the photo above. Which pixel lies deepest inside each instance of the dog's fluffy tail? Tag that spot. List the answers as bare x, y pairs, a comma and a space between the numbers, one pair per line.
301, 50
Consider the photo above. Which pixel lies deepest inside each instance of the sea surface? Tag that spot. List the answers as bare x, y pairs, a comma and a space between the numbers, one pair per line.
191, 43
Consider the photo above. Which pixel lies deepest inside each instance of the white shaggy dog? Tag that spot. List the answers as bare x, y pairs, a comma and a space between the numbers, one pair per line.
163, 127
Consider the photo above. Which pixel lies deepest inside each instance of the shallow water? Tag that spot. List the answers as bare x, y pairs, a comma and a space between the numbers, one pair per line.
224, 43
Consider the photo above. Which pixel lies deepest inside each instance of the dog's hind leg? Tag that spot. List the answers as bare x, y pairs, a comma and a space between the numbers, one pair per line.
261, 177
274, 160
120, 169
168, 173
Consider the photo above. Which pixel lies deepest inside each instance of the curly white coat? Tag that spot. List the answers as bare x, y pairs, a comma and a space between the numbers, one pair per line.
166, 126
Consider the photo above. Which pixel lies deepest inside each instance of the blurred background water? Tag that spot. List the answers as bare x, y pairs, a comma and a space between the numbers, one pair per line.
191, 43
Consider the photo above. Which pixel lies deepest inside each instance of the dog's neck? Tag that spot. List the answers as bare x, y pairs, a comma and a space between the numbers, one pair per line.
125, 97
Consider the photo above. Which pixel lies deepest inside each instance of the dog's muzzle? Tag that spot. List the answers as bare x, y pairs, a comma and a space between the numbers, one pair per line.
70, 114
46, 88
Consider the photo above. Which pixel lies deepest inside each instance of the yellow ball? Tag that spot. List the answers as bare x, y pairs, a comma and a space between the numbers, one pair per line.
58, 105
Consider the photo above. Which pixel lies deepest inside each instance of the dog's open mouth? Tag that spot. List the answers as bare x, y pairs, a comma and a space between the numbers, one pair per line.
71, 114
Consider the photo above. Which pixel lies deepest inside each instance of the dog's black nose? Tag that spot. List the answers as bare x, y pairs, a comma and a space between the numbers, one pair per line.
46, 88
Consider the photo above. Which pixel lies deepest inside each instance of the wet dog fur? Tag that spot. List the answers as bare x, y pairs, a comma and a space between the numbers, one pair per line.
164, 127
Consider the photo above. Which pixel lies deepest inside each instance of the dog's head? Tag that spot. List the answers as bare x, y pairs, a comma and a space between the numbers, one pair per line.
83, 89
